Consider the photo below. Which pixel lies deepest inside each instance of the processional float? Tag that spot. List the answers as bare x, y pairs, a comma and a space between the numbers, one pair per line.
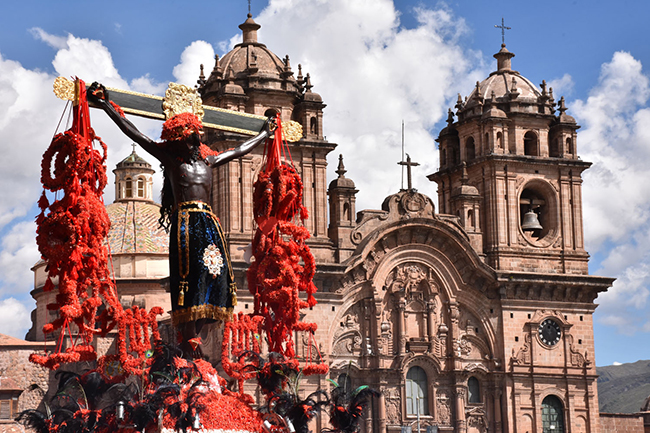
145, 385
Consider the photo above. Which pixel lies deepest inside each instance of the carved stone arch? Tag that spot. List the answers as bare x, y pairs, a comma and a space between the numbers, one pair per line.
468, 342
443, 275
343, 366
347, 331
475, 369
554, 391
429, 363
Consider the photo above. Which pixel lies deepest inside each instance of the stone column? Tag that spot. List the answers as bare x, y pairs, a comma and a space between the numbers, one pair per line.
461, 424
401, 320
382, 410
498, 425
430, 315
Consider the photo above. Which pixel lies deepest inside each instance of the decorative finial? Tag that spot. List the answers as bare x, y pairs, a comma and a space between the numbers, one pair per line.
459, 102
543, 86
503, 31
478, 90
201, 81
464, 178
133, 145
249, 8
341, 168
562, 106
450, 117
287, 65
308, 85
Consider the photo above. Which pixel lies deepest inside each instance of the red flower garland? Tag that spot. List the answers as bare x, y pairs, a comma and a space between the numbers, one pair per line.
284, 265
71, 236
180, 126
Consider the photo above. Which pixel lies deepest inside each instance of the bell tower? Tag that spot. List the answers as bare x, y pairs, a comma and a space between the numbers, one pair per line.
509, 170
252, 79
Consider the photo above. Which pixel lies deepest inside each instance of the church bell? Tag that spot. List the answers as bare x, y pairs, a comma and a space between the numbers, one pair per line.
531, 223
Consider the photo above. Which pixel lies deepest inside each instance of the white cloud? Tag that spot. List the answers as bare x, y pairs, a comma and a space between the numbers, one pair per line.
616, 138
14, 318
56, 42
145, 84
18, 254
562, 86
196, 54
372, 73
29, 113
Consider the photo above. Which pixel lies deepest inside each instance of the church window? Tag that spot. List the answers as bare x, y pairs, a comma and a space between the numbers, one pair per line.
569, 146
128, 193
8, 407
534, 213
443, 157
141, 188
346, 212
552, 415
530, 144
416, 392
499, 140
486, 144
313, 125
470, 218
470, 149
473, 390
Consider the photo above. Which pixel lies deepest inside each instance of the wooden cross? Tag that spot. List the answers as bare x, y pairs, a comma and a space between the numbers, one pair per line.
503, 30
408, 165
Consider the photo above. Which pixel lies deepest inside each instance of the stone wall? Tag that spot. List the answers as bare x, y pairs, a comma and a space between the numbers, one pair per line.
621, 423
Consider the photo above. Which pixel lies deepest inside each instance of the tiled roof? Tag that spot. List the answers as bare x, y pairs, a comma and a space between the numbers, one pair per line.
135, 228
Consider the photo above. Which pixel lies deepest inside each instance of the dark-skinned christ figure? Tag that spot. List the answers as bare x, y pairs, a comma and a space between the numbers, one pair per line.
201, 278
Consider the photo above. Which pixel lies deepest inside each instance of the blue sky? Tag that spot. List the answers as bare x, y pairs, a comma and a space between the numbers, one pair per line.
375, 62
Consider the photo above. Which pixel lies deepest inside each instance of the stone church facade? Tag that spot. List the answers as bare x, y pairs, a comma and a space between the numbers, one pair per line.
472, 314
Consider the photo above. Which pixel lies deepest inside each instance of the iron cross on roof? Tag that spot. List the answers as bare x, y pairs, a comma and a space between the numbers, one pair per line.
503, 30
408, 165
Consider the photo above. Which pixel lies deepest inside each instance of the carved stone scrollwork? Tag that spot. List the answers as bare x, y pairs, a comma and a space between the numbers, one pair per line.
393, 406
577, 358
477, 420
523, 356
406, 277
347, 338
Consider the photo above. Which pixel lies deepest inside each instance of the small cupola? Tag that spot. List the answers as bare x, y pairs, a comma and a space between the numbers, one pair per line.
503, 59
249, 30
133, 179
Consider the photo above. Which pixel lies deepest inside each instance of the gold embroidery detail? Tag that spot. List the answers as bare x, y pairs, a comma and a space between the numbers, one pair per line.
64, 89
205, 311
292, 130
182, 99
183, 253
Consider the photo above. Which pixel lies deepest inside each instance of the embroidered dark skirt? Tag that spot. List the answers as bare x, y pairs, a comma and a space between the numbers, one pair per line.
201, 278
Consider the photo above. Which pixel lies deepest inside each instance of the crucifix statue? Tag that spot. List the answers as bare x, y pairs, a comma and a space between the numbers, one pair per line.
408, 163
201, 279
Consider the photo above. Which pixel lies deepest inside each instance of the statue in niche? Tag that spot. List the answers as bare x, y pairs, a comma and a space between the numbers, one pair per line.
442, 407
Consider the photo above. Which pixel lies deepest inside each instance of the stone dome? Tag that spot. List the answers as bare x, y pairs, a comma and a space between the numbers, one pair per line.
252, 57
505, 81
135, 228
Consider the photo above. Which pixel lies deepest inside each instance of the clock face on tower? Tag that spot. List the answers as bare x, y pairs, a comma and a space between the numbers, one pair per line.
550, 332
